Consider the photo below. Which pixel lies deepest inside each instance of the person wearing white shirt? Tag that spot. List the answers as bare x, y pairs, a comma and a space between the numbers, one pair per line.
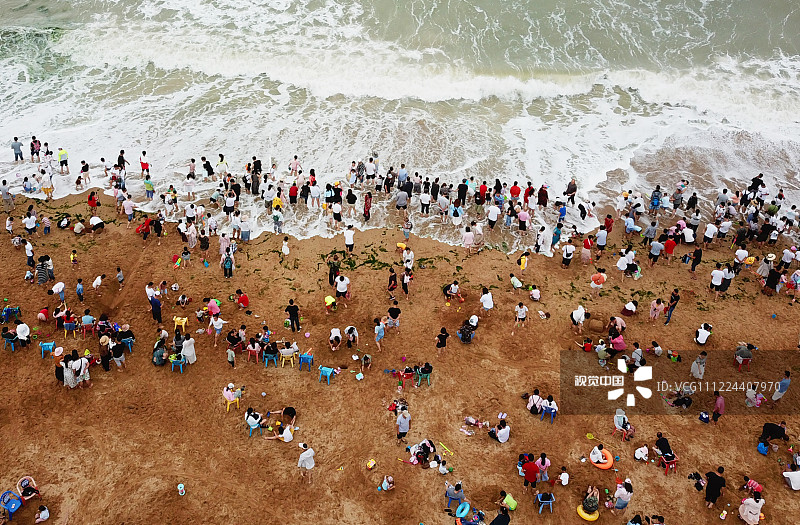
596, 455
786, 258
566, 254
792, 476
717, 275
501, 432
578, 316
425, 203
349, 238
550, 404
710, 233
342, 287
408, 258
492, 214
487, 302
740, 256
688, 235
23, 332
306, 461
96, 224
702, 334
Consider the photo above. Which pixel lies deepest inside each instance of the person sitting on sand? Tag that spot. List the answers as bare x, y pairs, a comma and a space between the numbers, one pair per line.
702, 334
451, 292
500, 432
535, 402
467, 331
286, 412
596, 455
160, 353
387, 484
286, 433
591, 501
641, 453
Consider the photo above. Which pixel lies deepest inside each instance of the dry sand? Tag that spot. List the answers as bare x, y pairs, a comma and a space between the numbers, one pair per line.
116, 452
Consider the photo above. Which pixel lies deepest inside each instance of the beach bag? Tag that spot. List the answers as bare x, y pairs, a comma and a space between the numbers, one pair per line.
704, 417
762, 448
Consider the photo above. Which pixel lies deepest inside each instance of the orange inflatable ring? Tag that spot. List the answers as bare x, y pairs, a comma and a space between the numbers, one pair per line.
588, 517
609, 460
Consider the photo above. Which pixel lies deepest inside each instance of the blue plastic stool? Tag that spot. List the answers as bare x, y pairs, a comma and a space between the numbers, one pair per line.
308, 359
48, 347
11, 502
547, 503
261, 430
11, 342
268, 358
546, 410
129, 343
179, 363
451, 500
327, 372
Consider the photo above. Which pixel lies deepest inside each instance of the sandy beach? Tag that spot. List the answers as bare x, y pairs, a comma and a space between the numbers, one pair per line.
115, 453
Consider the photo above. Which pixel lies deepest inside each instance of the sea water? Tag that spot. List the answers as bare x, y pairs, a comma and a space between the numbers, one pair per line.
616, 93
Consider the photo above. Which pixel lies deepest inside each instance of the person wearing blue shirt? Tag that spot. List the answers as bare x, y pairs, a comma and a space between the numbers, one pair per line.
783, 386
79, 290
402, 175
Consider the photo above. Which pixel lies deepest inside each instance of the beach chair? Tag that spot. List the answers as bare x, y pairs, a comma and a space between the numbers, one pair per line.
305, 358
11, 502
27, 489
13, 342
128, 341
668, 464
180, 321
47, 347
542, 503
288, 357
623, 434
177, 362
71, 327
88, 327
229, 403
745, 362
548, 410
260, 430
426, 377
327, 372
270, 357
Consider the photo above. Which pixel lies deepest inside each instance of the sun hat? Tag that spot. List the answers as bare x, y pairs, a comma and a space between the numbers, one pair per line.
125, 327
59, 351
771, 257
230, 386
104, 340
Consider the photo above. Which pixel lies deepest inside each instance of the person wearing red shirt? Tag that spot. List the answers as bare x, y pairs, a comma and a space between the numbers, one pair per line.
527, 195
93, 203
515, 190
669, 247
483, 189
241, 299
531, 475
293, 193
608, 223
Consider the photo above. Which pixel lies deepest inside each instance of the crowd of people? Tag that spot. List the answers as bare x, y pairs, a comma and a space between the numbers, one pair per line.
750, 223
